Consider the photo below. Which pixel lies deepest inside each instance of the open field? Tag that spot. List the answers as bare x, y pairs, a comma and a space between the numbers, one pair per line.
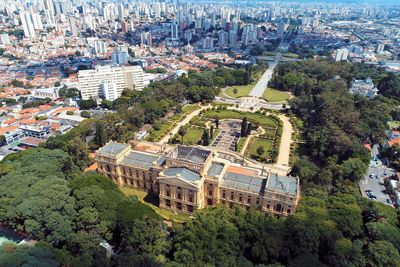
192, 136
242, 90
254, 145
272, 95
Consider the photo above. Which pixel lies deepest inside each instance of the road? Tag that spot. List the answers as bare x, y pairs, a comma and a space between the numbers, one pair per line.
262, 84
183, 122
376, 168
286, 140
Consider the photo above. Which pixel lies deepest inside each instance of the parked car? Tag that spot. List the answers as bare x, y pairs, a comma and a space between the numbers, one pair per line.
388, 201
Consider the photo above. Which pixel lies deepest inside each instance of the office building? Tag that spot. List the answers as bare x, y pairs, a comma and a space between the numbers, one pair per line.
174, 30
27, 24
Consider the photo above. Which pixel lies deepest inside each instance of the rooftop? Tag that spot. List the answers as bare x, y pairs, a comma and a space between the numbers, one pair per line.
139, 159
215, 169
191, 154
244, 182
112, 149
184, 173
284, 184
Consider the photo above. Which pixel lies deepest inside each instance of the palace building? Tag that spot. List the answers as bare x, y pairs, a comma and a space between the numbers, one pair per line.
187, 178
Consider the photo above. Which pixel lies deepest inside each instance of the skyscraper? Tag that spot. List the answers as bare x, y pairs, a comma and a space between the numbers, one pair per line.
174, 30
27, 24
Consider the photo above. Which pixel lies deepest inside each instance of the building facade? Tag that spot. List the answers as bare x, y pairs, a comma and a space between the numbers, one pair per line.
188, 178
91, 81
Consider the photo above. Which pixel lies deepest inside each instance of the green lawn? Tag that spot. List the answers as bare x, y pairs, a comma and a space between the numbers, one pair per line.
266, 144
192, 136
272, 95
242, 90
156, 135
189, 108
164, 213
257, 118
241, 142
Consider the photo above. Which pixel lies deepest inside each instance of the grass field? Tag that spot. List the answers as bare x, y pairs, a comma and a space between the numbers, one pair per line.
266, 144
241, 142
164, 213
257, 118
156, 135
189, 108
242, 90
272, 95
192, 136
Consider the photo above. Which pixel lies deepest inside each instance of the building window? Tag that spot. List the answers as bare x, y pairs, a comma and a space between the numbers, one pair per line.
125, 181
258, 201
209, 202
210, 192
240, 198
223, 194
249, 200
232, 196
179, 205
190, 196
130, 172
223, 202
288, 211
179, 196
123, 171
268, 206
190, 208
231, 205
108, 168
168, 193
278, 207
168, 203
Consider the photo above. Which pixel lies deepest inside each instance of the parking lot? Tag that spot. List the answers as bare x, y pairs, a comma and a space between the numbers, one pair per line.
374, 179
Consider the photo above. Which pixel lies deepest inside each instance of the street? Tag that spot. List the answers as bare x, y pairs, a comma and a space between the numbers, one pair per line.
376, 168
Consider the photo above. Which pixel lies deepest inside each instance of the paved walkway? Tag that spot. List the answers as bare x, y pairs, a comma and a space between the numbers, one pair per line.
183, 122
262, 84
286, 140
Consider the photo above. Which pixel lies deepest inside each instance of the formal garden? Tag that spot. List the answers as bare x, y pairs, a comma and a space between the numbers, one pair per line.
263, 130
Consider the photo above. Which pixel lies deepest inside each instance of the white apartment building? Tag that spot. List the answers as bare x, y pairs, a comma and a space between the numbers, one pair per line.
91, 81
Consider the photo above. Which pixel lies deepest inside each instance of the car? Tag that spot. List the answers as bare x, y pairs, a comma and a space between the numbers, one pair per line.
371, 175
388, 201
368, 191
371, 196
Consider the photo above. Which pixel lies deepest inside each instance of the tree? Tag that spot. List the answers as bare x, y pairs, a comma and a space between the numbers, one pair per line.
243, 129
85, 114
100, 137
235, 91
216, 121
212, 132
57, 84
206, 137
249, 129
2, 139
182, 133
383, 253
87, 104
260, 151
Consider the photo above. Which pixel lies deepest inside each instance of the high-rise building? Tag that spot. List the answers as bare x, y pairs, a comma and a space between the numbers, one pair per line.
73, 26
27, 24
174, 30
341, 54
109, 88
91, 81
4, 39
37, 22
120, 55
100, 47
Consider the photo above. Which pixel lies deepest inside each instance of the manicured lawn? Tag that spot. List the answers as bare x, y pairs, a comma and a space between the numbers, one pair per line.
266, 144
257, 118
192, 136
156, 135
241, 142
189, 108
242, 90
272, 95
164, 213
